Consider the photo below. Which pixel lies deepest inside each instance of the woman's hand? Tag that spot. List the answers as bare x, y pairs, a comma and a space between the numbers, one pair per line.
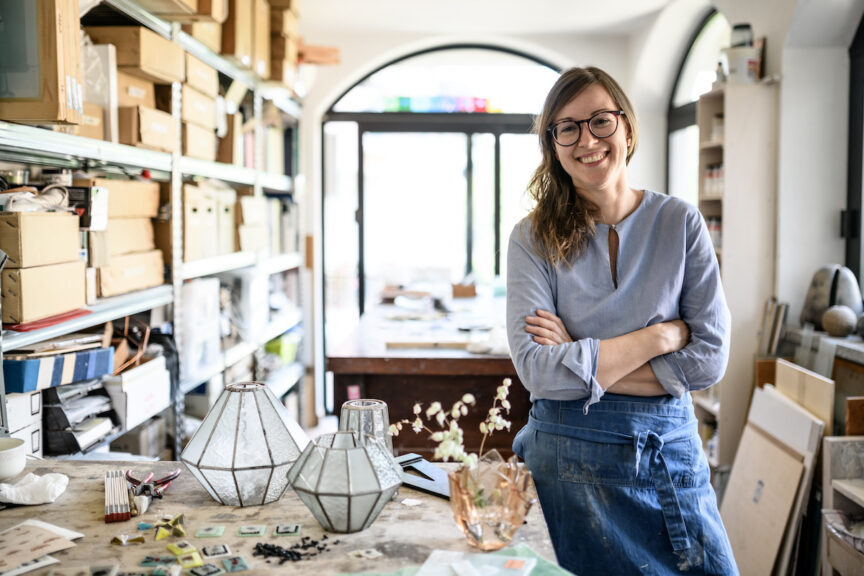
674, 335
547, 328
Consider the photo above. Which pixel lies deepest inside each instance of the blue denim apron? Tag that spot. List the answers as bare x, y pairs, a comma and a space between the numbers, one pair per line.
625, 488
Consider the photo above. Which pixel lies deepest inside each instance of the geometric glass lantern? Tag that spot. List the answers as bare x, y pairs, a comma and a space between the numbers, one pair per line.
369, 418
245, 446
344, 483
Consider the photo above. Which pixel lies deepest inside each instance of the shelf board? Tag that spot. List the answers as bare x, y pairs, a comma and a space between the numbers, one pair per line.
280, 325
707, 404
237, 352
106, 310
39, 142
203, 376
226, 172
285, 378
131, 9
276, 183
280, 263
217, 264
852, 488
238, 260
711, 145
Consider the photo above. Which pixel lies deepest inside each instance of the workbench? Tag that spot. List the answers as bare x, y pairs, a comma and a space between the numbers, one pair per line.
367, 365
404, 535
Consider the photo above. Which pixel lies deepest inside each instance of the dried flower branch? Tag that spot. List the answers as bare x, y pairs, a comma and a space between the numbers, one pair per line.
449, 436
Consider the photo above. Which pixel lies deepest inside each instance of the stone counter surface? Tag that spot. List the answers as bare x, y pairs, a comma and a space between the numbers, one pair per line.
403, 535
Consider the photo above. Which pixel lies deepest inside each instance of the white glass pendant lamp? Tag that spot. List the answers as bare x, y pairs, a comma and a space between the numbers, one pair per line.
244, 448
344, 483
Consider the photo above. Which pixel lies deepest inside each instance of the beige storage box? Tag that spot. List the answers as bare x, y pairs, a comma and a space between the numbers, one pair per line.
42, 291
39, 238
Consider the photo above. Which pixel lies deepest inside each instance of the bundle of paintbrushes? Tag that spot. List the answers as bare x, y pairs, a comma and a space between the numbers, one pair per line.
116, 497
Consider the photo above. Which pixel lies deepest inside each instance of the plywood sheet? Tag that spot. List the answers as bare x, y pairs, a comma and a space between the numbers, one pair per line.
812, 391
759, 498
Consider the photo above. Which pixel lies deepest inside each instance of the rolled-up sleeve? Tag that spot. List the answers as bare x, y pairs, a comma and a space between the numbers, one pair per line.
703, 308
562, 372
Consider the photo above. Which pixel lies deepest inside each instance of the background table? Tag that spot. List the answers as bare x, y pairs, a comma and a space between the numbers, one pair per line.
365, 367
404, 535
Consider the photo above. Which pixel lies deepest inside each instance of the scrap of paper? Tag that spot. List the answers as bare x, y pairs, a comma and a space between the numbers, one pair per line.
23, 543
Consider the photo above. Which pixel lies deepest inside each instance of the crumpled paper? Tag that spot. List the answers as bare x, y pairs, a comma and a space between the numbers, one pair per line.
33, 489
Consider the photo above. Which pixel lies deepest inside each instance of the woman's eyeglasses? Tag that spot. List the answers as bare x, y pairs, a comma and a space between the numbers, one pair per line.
602, 125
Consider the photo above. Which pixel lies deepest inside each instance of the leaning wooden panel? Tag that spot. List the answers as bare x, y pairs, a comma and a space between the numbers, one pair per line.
33, 85
812, 391
759, 499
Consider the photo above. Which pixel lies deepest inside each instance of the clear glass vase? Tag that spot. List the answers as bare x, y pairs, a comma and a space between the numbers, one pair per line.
491, 499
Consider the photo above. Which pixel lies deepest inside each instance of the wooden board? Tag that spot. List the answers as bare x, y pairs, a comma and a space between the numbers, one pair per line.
812, 391
796, 428
759, 499
854, 415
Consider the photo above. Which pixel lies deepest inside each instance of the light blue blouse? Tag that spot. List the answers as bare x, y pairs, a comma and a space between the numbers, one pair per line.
667, 270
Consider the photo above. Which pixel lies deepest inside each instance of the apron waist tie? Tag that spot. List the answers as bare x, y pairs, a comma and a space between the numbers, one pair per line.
653, 442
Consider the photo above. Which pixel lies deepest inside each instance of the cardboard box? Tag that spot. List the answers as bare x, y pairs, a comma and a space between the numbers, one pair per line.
226, 223
127, 198
92, 122
141, 392
237, 32
131, 272
283, 22
261, 38
231, 146
23, 410
215, 10
134, 91
252, 210
202, 77
253, 238
143, 53
128, 235
200, 239
168, 8
287, 49
39, 238
293, 5
196, 107
314, 54
190, 10
208, 33
32, 436
284, 71
149, 128
199, 142
147, 439
42, 291
32, 374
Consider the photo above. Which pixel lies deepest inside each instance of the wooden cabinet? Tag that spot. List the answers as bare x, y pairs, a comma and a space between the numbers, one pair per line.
738, 127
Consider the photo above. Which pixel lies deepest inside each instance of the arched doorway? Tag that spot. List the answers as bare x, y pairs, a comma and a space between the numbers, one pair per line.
425, 166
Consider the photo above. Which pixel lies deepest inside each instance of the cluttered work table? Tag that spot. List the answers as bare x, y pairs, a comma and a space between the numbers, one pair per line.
403, 356
403, 536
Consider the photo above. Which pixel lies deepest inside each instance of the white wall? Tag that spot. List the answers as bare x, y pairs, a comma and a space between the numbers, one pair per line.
812, 168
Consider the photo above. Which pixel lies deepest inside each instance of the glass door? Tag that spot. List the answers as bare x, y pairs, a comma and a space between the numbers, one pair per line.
414, 211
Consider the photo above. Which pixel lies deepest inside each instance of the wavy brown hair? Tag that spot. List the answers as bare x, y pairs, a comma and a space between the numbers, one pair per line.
561, 219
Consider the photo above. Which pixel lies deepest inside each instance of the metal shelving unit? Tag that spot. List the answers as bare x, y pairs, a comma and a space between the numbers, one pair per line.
31, 145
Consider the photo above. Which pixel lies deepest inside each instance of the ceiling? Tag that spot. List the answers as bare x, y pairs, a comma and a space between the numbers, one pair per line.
522, 17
